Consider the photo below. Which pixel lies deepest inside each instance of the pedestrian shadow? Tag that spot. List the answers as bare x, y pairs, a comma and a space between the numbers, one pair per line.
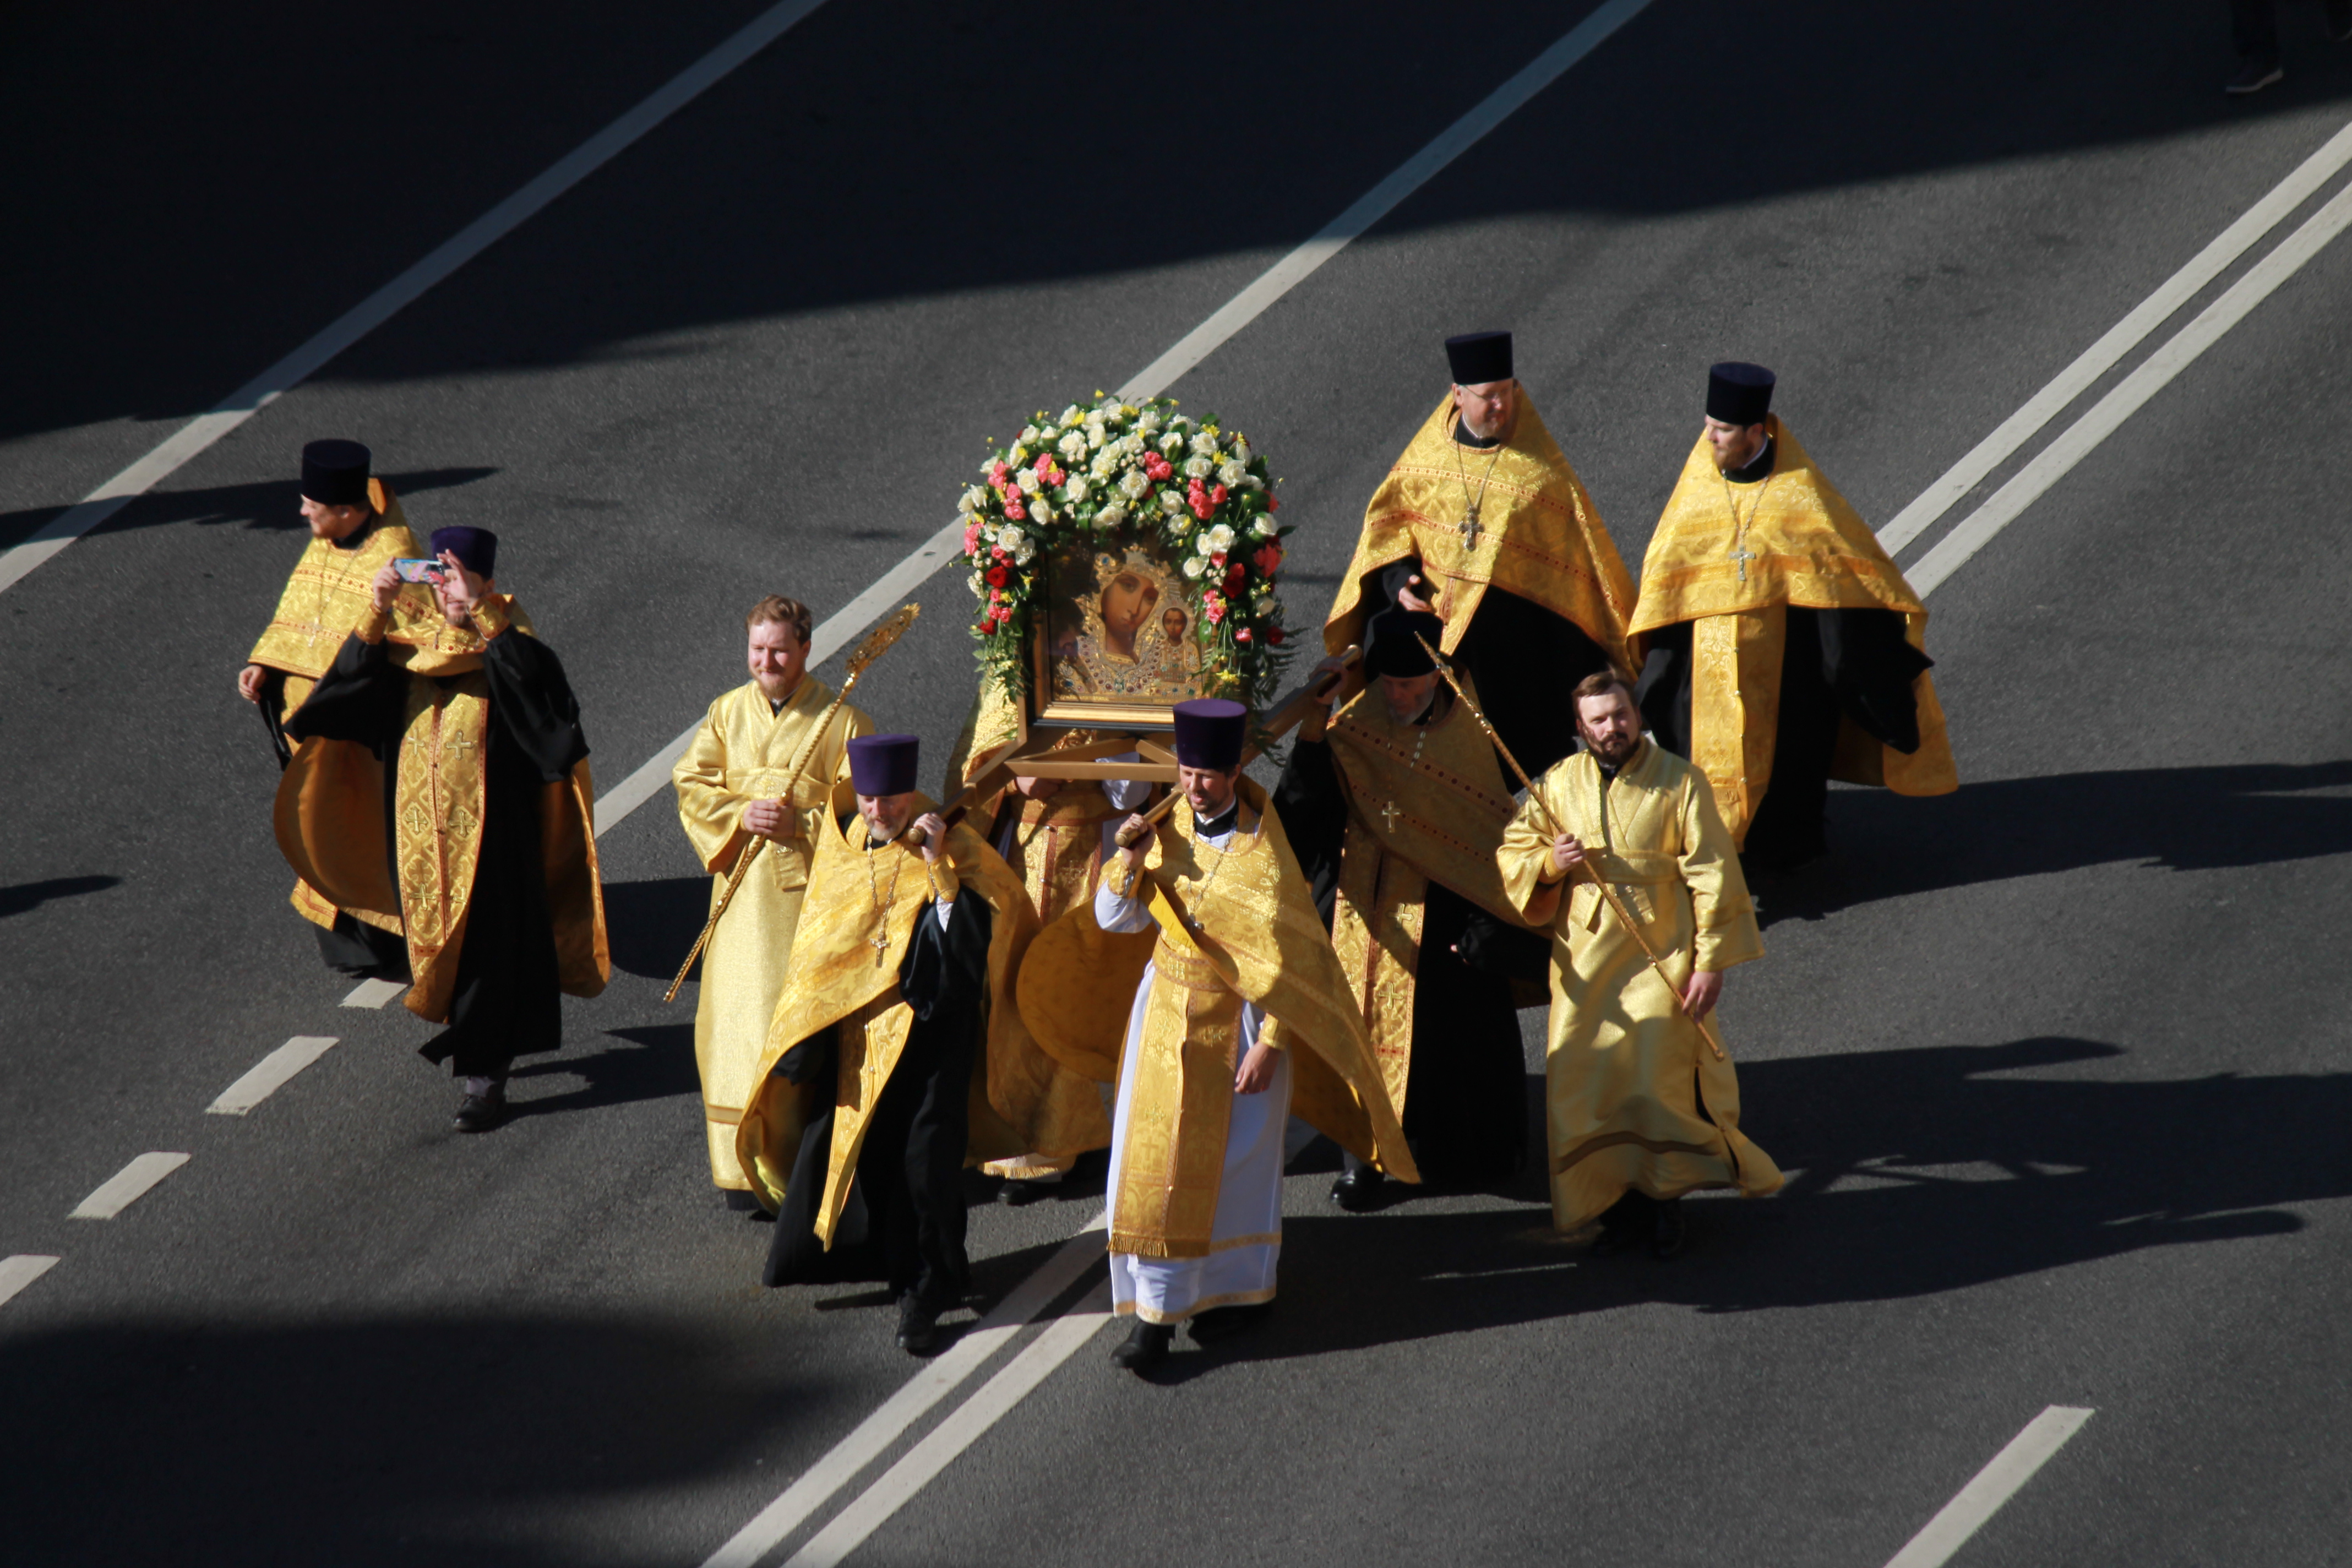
1920, 1172
649, 925
2180, 819
659, 1064
275, 505
457, 1440
25, 897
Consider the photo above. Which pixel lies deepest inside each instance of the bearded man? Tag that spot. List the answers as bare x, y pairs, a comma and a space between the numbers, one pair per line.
1483, 521
1785, 648
356, 526
1638, 1108
760, 770
477, 836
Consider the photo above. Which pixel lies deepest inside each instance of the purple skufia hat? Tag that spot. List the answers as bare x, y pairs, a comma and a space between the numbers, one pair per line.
1209, 732
476, 549
883, 765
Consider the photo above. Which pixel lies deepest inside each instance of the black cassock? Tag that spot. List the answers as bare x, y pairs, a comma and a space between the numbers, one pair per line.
507, 1000
1466, 1088
903, 1221
1523, 658
1837, 664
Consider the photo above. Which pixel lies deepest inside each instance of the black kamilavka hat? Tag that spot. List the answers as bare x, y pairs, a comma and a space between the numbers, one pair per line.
1478, 358
335, 473
1739, 393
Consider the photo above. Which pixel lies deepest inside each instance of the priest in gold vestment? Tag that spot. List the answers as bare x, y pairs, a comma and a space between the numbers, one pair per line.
1482, 520
356, 526
1054, 834
1638, 1109
1395, 811
482, 848
755, 742
1784, 648
859, 1124
1203, 934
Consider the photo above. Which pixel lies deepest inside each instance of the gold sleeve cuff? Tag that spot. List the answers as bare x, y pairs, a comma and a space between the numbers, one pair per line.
370, 628
490, 616
1121, 877
1550, 871
944, 883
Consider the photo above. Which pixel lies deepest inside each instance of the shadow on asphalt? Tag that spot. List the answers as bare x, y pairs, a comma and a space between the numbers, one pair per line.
658, 1064
1946, 1175
390, 1440
26, 897
2183, 819
276, 506
649, 925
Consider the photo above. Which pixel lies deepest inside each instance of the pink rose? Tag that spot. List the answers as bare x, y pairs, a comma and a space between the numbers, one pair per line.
1015, 510
1243, 635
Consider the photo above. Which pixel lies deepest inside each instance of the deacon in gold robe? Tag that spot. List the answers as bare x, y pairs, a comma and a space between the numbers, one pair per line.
482, 846
1638, 1109
756, 742
858, 1130
356, 526
1785, 650
1482, 520
1054, 834
1205, 935
1395, 812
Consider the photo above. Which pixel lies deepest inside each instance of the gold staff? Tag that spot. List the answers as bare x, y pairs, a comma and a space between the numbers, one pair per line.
877, 642
1624, 915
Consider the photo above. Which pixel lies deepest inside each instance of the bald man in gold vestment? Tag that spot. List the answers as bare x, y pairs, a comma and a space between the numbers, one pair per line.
756, 740
1784, 648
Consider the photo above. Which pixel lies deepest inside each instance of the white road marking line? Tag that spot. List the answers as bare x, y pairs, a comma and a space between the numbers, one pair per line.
373, 993
2108, 416
2120, 340
127, 1186
270, 1074
937, 1379
1994, 1485
21, 1270
996, 1398
946, 544
379, 307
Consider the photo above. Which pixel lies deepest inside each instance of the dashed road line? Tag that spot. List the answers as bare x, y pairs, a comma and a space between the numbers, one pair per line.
127, 1186
1993, 1486
373, 993
270, 1074
21, 1270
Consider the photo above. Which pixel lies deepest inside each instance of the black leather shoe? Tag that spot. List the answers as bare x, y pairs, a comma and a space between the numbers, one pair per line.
1666, 1238
1358, 1189
480, 1112
918, 1326
1224, 1322
1144, 1348
1019, 1193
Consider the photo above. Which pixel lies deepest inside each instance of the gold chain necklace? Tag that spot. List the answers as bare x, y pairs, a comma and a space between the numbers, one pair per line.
1472, 505
1196, 896
1741, 556
880, 941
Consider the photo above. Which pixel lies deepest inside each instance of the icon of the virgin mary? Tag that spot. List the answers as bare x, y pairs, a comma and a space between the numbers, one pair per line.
1120, 647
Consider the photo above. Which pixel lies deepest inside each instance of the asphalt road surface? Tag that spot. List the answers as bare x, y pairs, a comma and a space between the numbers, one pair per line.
2056, 1063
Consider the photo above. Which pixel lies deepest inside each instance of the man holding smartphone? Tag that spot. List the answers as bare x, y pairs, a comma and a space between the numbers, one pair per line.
482, 848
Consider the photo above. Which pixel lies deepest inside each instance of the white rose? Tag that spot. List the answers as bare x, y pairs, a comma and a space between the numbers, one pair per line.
1218, 540
1026, 553
1008, 537
1147, 421
1095, 433
1072, 447
1241, 450
1172, 442
1073, 414
1251, 482
1171, 502
979, 586
1018, 455
1076, 489
1132, 444
1204, 445
1111, 516
1133, 484
1028, 433
1028, 481
1192, 567
1263, 528
1231, 475
1105, 464
1198, 468
1039, 510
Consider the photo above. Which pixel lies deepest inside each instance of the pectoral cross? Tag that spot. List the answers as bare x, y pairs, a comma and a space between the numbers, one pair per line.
1390, 813
1741, 556
880, 943
1470, 529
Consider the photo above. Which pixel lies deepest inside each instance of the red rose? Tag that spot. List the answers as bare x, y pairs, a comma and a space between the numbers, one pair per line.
1272, 501
1274, 635
987, 627
998, 576
1236, 576
1268, 558
1156, 467
1217, 493
1216, 608
1243, 635
1203, 507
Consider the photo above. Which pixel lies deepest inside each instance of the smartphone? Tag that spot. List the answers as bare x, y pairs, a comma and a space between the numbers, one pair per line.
421, 571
